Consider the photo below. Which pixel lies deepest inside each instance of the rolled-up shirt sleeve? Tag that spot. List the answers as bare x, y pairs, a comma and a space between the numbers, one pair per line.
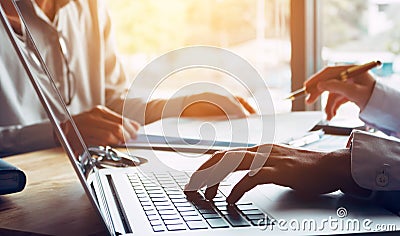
375, 161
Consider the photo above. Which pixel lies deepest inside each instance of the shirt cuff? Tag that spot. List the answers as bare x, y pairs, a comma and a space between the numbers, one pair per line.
381, 114
375, 162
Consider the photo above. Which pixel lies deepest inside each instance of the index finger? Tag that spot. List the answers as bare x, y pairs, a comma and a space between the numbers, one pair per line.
213, 171
220, 165
327, 73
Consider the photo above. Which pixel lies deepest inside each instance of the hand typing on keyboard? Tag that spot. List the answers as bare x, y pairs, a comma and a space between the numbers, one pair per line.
168, 209
306, 171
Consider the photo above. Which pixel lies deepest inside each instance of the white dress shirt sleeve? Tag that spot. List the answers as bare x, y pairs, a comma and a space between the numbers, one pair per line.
375, 161
382, 111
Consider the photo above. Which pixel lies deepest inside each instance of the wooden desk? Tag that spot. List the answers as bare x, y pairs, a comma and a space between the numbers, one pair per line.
53, 202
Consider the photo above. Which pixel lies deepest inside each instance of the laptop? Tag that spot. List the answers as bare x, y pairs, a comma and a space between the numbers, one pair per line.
138, 193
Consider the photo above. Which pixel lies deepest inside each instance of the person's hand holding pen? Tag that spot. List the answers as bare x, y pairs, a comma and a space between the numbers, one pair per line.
357, 87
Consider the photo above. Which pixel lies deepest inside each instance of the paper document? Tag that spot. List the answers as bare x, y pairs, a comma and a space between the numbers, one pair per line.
249, 131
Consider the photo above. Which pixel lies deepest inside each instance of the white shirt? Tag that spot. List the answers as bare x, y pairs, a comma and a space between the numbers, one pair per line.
376, 160
100, 78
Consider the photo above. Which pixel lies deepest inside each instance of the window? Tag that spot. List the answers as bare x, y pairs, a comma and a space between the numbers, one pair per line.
257, 30
359, 31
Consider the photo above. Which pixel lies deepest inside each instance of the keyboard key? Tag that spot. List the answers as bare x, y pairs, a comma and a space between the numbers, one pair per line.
153, 217
252, 212
141, 195
153, 188
211, 216
192, 218
171, 185
155, 191
157, 195
172, 190
255, 217
179, 200
158, 228
247, 207
189, 213
170, 217
158, 174
197, 225
156, 222
159, 199
217, 223
144, 199
168, 212
148, 208
162, 204
207, 211
220, 203
140, 192
163, 208
152, 212
146, 204
150, 185
182, 204
243, 202
166, 183
236, 220
182, 209
177, 196
176, 227
175, 193
222, 208
173, 222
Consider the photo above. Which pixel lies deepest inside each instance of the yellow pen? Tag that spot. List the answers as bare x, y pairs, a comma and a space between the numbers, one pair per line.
343, 76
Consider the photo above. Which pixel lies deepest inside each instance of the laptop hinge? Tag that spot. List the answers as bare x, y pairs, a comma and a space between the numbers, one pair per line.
117, 201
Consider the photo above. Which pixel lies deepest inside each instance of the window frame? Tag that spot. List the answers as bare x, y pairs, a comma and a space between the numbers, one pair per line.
306, 46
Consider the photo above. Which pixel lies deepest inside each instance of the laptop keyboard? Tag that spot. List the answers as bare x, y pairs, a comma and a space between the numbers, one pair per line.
169, 209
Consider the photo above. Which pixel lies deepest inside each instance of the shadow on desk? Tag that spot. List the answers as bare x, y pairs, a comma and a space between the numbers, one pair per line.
53, 202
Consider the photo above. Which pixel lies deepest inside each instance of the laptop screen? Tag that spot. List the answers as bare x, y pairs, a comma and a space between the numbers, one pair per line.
24, 51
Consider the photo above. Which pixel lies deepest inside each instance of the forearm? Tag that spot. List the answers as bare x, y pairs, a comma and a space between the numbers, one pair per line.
20, 139
145, 113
